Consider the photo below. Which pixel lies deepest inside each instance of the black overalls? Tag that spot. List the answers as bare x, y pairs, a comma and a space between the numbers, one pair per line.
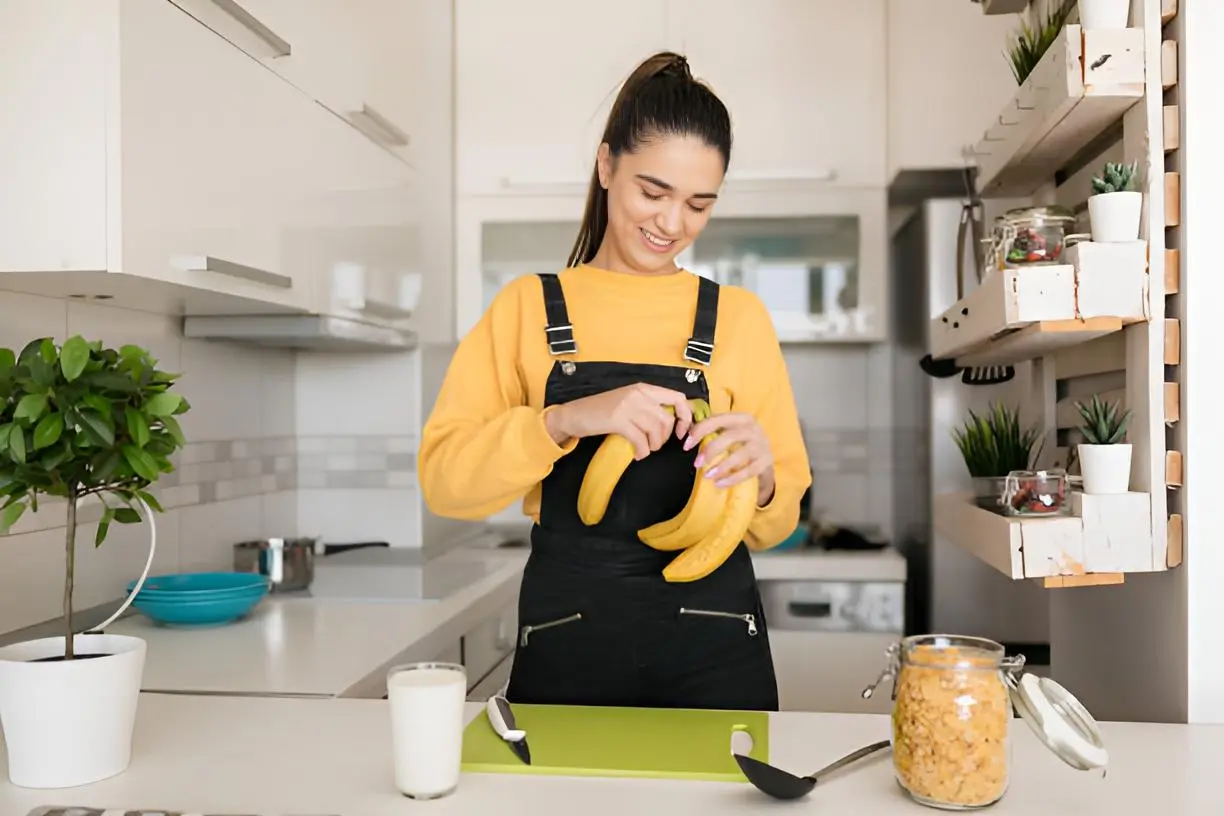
598, 625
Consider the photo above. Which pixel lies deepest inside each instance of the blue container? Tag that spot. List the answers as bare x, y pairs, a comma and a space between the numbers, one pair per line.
201, 584
797, 539
200, 599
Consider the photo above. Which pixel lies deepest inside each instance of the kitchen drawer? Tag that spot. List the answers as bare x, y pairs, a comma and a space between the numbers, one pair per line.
489, 643
493, 682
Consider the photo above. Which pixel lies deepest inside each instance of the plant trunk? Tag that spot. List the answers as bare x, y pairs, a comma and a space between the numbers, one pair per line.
69, 573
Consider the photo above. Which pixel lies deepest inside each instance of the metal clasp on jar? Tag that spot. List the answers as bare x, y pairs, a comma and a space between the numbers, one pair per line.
893, 654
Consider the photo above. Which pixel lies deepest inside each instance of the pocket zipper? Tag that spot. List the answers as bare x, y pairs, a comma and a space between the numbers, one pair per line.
527, 630
748, 619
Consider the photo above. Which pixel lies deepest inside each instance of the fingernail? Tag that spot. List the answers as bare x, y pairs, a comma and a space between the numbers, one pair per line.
700, 458
723, 483
688, 443
712, 473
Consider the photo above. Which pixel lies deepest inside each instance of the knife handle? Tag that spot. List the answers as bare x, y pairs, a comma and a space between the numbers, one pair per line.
493, 711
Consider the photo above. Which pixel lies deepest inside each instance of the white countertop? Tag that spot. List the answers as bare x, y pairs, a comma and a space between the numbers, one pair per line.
274, 757
319, 647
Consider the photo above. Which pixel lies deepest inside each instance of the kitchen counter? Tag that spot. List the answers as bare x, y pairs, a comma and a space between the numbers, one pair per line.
321, 647
273, 757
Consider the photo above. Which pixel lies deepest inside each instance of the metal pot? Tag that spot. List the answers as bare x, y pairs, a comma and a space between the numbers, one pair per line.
287, 563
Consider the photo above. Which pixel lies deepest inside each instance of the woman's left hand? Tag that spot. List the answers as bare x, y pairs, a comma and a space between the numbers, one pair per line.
749, 452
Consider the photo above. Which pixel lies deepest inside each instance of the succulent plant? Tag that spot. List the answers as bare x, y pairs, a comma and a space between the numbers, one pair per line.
1116, 178
1104, 423
995, 445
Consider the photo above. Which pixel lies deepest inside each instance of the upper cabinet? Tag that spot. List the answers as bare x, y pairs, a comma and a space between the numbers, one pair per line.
162, 168
805, 81
948, 75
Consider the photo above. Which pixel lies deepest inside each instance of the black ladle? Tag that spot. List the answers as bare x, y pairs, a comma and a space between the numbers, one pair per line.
783, 785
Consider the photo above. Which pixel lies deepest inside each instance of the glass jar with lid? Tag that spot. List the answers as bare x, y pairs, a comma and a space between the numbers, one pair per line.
953, 703
1033, 236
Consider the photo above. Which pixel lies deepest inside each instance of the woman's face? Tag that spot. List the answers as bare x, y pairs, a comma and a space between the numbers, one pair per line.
659, 201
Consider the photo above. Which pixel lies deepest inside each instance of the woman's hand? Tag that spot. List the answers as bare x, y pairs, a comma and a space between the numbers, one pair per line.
636, 412
749, 456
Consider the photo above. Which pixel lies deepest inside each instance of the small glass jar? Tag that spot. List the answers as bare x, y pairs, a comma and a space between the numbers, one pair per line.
1036, 493
1032, 236
953, 699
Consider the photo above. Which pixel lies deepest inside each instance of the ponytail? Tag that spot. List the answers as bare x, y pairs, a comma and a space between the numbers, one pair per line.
659, 98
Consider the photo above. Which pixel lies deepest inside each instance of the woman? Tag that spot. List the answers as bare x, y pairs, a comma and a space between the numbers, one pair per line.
605, 347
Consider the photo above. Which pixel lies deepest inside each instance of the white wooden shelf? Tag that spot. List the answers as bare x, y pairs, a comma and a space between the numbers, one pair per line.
1083, 84
1023, 313
1105, 535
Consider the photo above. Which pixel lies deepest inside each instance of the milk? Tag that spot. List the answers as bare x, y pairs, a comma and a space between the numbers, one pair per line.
426, 704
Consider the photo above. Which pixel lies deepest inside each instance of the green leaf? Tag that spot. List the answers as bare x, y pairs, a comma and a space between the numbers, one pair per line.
103, 526
138, 428
4, 436
163, 404
10, 515
99, 403
48, 431
105, 465
126, 515
31, 407
17, 445
7, 360
141, 462
150, 500
99, 429
174, 429
73, 357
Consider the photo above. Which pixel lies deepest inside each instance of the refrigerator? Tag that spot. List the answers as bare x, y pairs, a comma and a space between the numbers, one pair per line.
950, 591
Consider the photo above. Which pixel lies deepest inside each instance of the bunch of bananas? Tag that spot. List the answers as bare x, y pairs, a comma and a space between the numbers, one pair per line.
708, 529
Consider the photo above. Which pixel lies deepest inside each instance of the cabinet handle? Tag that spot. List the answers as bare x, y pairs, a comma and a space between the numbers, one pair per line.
207, 263
279, 46
377, 126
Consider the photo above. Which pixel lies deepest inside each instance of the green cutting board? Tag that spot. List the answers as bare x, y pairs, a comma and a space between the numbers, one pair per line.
610, 741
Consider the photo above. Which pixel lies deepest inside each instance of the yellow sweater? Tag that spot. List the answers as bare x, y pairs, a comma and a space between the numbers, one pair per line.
485, 445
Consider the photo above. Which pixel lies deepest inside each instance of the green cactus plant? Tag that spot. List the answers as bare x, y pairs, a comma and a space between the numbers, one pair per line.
1104, 423
1115, 178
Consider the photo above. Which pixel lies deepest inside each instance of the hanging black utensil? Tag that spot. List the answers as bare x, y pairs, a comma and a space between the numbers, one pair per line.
988, 375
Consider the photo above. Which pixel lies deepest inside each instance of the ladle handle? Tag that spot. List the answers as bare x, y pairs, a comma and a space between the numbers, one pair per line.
848, 759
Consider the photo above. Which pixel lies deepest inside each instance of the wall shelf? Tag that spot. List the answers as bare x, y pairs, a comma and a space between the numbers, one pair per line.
1105, 534
1021, 314
1085, 82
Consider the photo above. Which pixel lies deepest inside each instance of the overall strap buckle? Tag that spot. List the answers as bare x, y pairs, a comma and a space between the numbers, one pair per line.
700, 347
559, 331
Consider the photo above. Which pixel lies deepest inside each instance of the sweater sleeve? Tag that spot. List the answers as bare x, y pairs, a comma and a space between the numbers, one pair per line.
483, 447
765, 393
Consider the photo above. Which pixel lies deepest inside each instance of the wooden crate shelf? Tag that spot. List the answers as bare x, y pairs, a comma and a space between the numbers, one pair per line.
1020, 314
1084, 83
1107, 534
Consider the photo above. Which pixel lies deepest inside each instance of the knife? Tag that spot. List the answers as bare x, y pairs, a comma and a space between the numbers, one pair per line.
502, 720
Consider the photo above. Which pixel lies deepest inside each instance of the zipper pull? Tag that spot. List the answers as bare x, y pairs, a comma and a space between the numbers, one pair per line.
752, 627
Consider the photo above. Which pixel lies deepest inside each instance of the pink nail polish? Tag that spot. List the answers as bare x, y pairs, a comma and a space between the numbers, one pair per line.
712, 473
688, 443
700, 458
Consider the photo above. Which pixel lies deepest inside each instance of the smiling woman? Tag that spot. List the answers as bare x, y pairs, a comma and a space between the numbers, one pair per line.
623, 342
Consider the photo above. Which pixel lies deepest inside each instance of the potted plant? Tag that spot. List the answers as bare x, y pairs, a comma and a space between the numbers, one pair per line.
79, 423
1030, 44
1104, 13
993, 446
1103, 456
1115, 206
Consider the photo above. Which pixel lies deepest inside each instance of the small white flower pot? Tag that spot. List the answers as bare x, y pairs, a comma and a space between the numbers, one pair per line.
69, 722
1115, 216
1106, 468
1097, 14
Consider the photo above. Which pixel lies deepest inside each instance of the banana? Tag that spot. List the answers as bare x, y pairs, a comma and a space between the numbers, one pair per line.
708, 555
607, 467
699, 516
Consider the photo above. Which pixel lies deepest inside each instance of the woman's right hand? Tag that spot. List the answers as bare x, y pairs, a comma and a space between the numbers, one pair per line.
636, 412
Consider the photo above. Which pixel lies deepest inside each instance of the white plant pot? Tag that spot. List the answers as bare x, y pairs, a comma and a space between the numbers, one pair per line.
1106, 468
69, 722
1096, 14
1115, 216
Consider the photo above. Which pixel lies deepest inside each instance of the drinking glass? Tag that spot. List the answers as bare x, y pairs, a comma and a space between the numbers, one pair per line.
426, 702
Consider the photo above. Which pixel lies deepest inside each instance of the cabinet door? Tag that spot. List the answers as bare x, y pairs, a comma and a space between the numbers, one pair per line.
805, 81
535, 81
827, 671
225, 166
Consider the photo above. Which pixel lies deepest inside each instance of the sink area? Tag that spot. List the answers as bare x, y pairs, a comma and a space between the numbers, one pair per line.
393, 574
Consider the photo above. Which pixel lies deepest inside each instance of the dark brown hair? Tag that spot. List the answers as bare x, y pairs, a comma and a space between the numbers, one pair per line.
660, 98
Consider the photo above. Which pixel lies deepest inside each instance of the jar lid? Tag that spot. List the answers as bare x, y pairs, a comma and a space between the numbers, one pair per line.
1060, 721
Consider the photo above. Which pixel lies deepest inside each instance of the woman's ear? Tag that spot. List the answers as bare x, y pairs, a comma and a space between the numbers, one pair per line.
603, 163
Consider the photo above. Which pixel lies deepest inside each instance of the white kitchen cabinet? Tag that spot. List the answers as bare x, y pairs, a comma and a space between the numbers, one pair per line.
489, 645
493, 682
342, 53
945, 49
827, 671
163, 168
535, 80
805, 82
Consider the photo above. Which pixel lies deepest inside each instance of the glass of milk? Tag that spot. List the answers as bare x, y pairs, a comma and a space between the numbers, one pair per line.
426, 701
